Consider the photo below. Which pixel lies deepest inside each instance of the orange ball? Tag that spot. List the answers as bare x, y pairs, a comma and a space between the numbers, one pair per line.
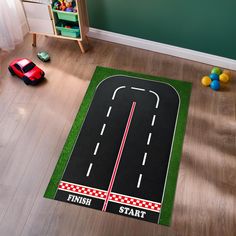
206, 81
227, 72
224, 78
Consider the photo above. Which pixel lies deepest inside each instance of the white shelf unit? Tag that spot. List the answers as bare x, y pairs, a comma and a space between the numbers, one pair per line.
43, 19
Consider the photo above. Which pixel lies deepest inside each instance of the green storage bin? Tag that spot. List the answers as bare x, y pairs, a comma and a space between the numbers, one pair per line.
69, 32
68, 16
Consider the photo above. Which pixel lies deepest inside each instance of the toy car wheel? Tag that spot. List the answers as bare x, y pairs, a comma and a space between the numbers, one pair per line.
11, 70
26, 80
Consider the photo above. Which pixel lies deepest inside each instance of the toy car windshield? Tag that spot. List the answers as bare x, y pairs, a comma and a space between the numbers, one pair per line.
29, 67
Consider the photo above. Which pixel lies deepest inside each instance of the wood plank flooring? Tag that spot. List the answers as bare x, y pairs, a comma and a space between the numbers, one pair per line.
35, 122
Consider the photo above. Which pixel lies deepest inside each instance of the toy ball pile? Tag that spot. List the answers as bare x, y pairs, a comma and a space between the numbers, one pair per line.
216, 78
65, 5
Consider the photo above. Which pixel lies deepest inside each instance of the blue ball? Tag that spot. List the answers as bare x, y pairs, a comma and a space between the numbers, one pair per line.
215, 85
214, 76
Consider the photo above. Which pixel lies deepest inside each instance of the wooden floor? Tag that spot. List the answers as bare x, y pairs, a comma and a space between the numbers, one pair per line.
35, 121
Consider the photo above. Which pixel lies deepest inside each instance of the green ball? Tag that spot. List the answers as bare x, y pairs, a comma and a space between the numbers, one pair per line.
216, 70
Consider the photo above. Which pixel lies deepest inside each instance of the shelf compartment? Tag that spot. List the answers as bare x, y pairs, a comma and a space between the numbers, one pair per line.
68, 16
69, 32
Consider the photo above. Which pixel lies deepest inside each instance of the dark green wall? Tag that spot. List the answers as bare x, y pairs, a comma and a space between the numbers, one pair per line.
203, 25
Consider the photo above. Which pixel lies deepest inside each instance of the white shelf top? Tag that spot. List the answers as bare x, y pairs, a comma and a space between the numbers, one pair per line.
39, 1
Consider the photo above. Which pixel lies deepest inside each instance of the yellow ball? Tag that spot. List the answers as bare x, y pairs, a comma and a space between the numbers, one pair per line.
206, 81
227, 72
224, 78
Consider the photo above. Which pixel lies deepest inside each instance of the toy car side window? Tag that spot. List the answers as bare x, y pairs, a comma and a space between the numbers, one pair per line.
17, 67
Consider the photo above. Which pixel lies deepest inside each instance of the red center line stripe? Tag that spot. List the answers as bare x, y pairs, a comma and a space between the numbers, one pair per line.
119, 155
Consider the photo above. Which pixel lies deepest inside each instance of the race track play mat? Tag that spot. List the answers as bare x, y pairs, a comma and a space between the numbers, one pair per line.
123, 152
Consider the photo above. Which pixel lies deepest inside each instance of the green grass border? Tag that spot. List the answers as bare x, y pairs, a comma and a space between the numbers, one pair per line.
101, 73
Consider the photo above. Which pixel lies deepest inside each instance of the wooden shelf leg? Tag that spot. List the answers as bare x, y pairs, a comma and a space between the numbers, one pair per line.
87, 40
34, 40
81, 47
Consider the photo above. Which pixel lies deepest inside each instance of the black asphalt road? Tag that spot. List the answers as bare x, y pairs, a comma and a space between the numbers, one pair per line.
143, 166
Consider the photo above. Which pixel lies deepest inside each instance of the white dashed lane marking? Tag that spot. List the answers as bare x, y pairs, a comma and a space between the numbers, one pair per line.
149, 138
144, 158
139, 89
153, 120
122, 145
89, 169
157, 96
109, 111
139, 180
96, 149
103, 129
114, 94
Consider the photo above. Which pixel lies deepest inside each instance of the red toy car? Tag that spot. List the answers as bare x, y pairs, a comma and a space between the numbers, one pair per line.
27, 71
